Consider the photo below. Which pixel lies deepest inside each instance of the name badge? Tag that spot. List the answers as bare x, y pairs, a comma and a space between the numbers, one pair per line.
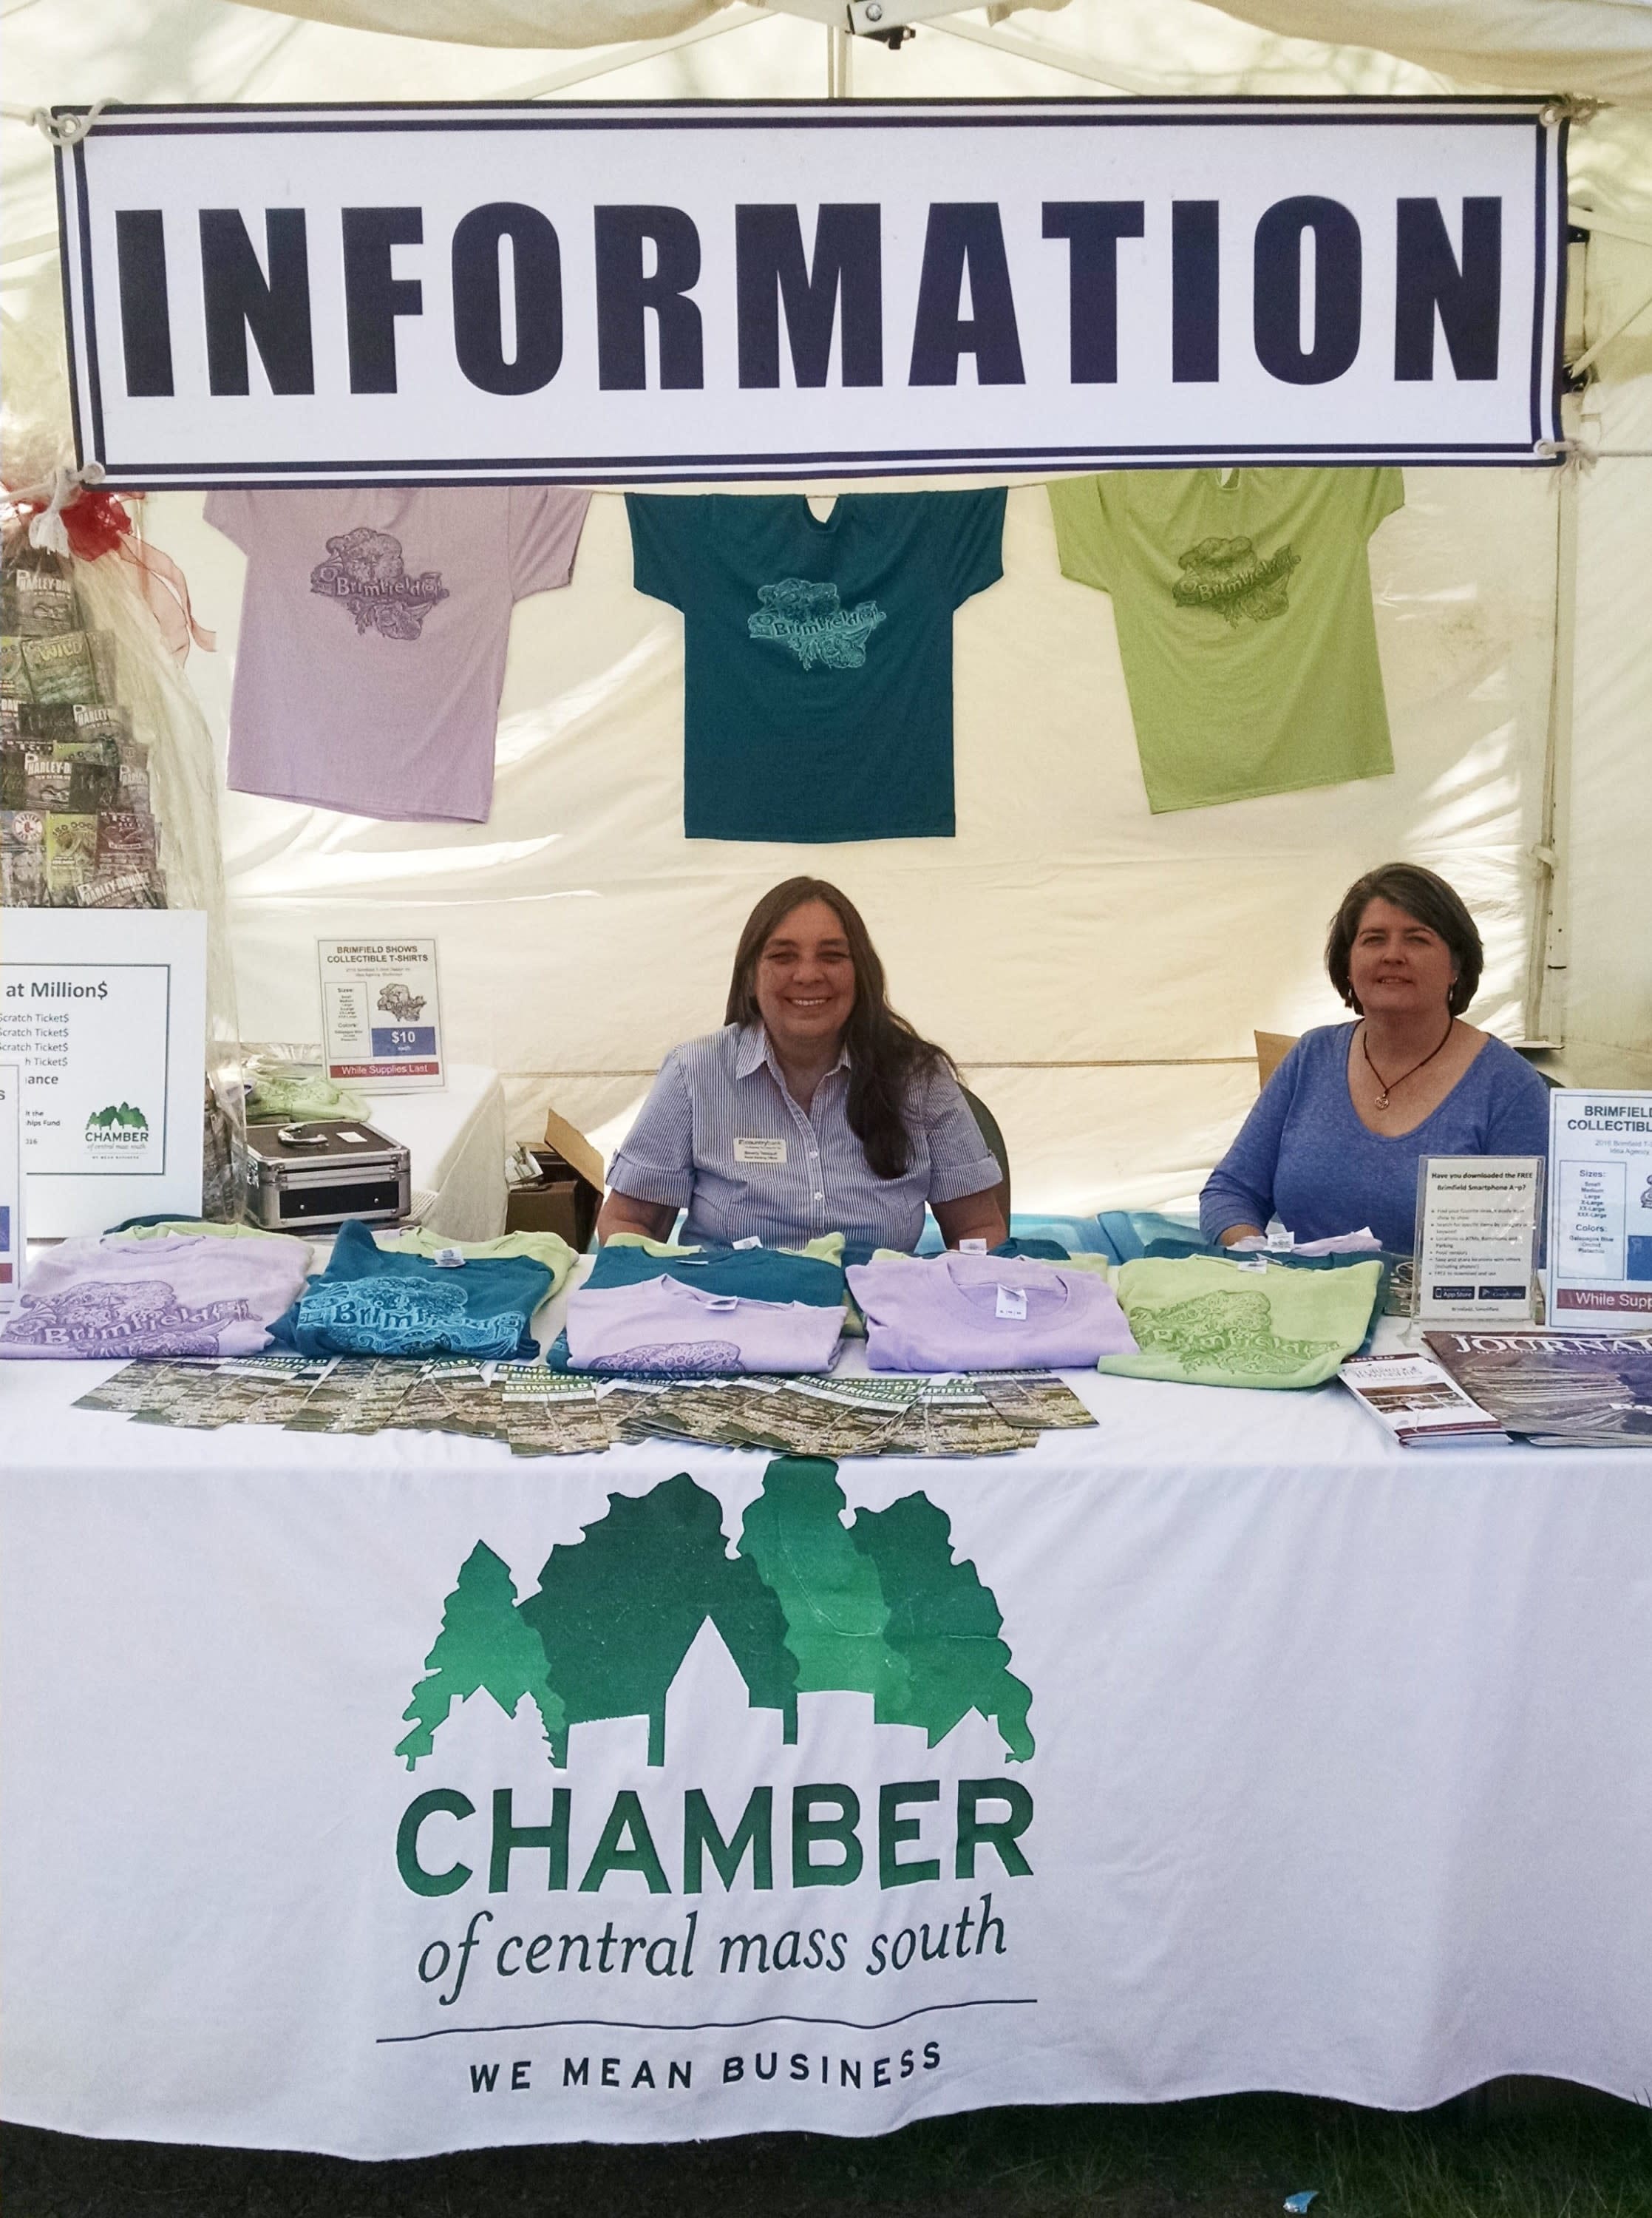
759, 1151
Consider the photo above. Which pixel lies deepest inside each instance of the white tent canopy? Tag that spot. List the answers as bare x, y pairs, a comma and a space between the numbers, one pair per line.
1601, 48
1097, 970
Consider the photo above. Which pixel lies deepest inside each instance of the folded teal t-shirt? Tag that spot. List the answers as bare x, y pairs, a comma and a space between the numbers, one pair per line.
755, 1274
370, 1301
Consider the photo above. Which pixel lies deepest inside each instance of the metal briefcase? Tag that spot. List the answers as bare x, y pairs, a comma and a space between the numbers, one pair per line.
318, 1171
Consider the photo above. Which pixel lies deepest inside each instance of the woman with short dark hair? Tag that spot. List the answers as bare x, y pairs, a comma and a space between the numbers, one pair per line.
1334, 1141
817, 1108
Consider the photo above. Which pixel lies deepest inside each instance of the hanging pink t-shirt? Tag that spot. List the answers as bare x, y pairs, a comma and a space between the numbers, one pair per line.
986, 1313
374, 628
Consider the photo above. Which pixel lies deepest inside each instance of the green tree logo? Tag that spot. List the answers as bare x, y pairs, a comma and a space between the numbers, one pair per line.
122, 1119
808, 1604
483, 1647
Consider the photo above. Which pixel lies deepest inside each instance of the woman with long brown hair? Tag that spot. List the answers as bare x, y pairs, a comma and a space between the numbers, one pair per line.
817, 1108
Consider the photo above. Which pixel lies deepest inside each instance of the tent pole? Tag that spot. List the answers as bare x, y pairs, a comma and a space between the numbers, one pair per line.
1545, 1015
840, 47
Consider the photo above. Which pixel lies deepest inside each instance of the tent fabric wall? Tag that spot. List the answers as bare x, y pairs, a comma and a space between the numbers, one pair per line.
1599, 47
1608, 993
1602, 47
1097, 970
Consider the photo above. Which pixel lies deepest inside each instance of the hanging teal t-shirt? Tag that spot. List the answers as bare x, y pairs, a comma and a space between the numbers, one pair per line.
818, 687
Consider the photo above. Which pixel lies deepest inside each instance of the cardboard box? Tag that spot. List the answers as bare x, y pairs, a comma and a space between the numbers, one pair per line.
569, 1192
1272, 1049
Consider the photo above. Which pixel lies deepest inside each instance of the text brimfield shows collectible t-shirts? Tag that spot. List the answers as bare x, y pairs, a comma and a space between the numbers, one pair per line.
818, 694
1244, 613
374, 628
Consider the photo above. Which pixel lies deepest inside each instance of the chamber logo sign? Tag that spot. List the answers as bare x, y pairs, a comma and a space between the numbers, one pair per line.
807, 618
839, 1888
806, 1605
118, 1128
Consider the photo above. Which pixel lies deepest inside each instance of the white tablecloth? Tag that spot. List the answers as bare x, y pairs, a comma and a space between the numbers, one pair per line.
1342, 1779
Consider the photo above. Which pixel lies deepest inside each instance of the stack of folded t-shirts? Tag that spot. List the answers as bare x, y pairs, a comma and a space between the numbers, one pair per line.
419, 1295
1211, 1322
647, 1309
992, 1312
167, 1289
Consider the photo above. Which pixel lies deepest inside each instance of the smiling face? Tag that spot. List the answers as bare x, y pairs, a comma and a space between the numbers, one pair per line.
1396, 966
805, 982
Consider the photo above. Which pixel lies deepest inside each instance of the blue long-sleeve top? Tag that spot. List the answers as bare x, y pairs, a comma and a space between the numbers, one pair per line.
1303, 1155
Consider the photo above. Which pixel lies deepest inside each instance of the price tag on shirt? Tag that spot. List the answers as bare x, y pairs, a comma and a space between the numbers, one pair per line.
759, 1151
1012, 1303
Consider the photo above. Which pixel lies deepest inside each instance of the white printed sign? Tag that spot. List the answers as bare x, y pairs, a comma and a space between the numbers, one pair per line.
13, 1237
704, 291
1478, 1238
1600, 1208
381, 1014
106, 1014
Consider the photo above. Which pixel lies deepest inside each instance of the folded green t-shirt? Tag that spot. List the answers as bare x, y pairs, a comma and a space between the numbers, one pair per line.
1211, 1323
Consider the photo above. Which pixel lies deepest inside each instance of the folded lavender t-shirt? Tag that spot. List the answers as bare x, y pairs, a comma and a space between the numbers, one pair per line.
986, 1313
663, 1324
179, 1294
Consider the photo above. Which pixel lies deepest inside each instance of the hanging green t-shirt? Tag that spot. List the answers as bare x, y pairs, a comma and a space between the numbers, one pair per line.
818, 679
1209, 1323
1244, 616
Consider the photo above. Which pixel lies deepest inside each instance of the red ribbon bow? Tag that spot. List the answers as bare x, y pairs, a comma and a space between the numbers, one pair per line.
98, 523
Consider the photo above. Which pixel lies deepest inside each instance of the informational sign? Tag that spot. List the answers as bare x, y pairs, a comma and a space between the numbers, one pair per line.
13, 1237
106, 1014
1418, 1400
1477, 1220
704, 291
381, 1014
1599, 1208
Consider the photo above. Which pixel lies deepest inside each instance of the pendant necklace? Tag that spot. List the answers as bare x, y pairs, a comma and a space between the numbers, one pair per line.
1383, 1083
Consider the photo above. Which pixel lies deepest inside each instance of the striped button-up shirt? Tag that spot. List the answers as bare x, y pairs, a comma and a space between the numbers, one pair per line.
719, 1136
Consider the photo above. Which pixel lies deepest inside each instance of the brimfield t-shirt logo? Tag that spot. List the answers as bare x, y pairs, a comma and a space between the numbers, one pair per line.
773, 1825
365, 571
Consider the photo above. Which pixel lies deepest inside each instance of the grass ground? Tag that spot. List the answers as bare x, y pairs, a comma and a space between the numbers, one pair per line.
1554, 2155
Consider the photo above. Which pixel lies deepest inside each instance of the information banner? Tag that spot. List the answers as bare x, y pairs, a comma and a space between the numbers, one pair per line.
1477, 1218
13, 1237
1600, 1209
106, 1014
693, 290
381, 1014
